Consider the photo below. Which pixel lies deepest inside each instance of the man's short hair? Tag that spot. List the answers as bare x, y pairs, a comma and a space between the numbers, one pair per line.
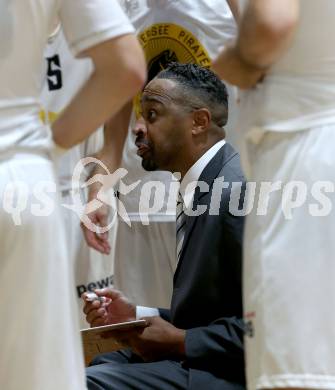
200, 88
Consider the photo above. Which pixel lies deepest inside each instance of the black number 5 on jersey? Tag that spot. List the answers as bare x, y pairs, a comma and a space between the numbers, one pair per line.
54, 73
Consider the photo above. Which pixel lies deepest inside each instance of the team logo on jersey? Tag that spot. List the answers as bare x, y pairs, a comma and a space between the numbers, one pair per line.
164, 43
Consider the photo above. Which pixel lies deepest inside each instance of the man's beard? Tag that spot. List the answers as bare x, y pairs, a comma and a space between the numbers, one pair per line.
149, 165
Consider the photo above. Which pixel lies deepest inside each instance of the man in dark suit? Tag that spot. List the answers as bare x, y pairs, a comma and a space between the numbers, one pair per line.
198, 343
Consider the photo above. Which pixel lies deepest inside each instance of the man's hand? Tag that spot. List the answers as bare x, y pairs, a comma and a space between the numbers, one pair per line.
116, 308
230, 67
98, 217
159, 340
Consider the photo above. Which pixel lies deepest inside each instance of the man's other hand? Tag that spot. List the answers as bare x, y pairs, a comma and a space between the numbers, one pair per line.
159, 340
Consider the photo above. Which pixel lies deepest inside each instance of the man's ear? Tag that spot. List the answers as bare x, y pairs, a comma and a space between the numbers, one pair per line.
201, 121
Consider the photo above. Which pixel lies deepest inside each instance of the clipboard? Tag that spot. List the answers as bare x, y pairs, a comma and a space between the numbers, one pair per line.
94, 344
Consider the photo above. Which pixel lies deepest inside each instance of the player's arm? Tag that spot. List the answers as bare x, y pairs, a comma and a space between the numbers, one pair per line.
119, 72
265, 31
115, 133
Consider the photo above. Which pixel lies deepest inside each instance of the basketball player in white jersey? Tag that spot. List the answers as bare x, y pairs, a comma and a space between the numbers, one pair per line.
64, 76
285, 59
40, 346
184, 31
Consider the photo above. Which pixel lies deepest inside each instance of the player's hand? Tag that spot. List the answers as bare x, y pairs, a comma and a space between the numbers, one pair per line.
159, 340
116, 308
99, 217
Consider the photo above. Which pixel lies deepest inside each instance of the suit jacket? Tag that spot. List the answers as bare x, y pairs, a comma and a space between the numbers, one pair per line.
206, 297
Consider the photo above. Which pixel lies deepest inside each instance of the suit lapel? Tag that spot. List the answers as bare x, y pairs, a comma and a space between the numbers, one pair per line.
209, 174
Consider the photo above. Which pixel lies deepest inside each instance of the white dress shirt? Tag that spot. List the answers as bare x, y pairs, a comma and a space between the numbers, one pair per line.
191, 178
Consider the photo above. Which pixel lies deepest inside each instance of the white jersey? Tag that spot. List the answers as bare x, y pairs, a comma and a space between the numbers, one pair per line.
288, 254
65, 75
299, 90
26, 26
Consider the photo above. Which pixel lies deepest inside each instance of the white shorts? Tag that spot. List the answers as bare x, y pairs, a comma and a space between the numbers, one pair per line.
289, 263
39, 338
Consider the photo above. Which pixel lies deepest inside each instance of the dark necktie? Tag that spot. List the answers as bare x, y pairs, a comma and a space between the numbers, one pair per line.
180, 225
